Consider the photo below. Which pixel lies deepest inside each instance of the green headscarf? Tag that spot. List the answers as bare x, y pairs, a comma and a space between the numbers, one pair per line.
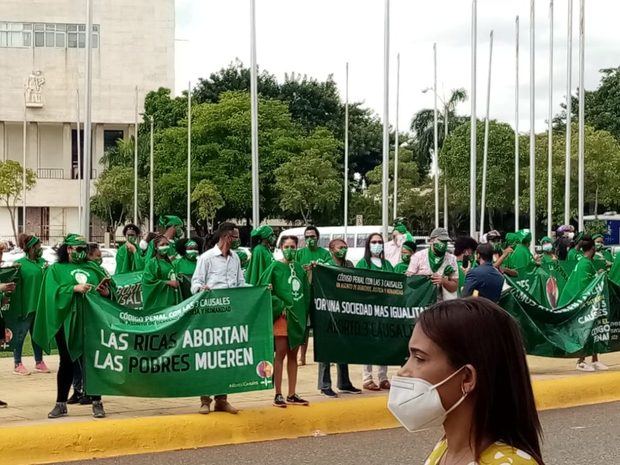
410, 249
596, 236
525, 236
74, 240
512, 239
264, 232
34, 240
546, 240
168, 221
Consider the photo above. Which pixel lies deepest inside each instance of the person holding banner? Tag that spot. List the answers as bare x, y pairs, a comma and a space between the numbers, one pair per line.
406, 252
521, 259
602, 255
485, 280
290, 303
184, 266
438, 264
24, 301
263, 241
312, 253
576, 252
614, 273
464, 248
548, 258
474, 382
171, 228
59, 314
219, 268
160, 288
128, 256
374, 256
400, 235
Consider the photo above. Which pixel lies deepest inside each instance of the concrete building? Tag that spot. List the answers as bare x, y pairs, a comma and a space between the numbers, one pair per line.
42, 57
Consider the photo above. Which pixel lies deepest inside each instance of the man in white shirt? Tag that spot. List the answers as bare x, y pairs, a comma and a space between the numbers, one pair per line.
219, 268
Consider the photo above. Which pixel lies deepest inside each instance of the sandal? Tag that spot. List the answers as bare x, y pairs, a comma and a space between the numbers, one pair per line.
371, 386
385, 385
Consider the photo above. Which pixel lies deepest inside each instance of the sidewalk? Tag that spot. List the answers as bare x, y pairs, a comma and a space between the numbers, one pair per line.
30, 398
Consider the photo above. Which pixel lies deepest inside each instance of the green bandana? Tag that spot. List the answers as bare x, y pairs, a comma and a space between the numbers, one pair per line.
342, 253
167, 221
234, 245
596, 236
289, 254
311, 242
163, 249
546, 240
34, 240
512, 239
192, 255
434, 261
78, 257
439, 248
264, 232
191, 243
74, 240
405, 258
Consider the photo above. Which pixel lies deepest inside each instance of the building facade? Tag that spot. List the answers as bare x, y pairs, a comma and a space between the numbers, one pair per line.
42, 57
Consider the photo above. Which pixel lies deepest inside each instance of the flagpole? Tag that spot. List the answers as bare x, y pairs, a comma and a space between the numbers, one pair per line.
532, 125
517, 124
346, 150
151, 179
569, 110
396, 137
550, 128
386, 116
24, 149
189, 157
582, 54
486, 140
445, 183
135, 164
473, 122
88, 121
79, 161
254, 120
435, 138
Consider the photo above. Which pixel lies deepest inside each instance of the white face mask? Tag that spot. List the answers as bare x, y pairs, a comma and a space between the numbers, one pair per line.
547, 247
416, 404
400, 240
571, 235
143, 244
376, 249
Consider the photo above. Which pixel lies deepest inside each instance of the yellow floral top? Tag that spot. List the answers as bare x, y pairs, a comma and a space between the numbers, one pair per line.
496, 454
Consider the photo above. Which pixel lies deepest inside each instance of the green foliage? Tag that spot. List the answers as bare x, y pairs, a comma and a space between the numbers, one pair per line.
12, 186
596, 227
208, 201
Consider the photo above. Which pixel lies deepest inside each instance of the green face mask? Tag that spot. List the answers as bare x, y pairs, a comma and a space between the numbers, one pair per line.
38, 253
599, 246
440, 248
132, 239
289, 254
78, 256
192, 255
342, 253
235, 244
272, 240
311, 242
405, 258
163, 249
98, 261
178, 232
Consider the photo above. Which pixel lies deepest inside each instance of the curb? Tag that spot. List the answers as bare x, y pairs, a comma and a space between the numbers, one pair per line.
107, 438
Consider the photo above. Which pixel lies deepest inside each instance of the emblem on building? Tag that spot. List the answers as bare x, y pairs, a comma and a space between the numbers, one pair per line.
34, 89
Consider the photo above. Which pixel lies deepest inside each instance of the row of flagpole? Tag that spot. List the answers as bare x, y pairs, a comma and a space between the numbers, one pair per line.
84, 209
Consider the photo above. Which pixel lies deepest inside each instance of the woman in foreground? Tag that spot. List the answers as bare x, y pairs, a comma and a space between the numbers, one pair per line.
475, 383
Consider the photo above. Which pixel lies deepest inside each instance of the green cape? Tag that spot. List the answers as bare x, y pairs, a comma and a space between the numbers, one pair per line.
260, 261
574, 255
364, 265
401, 268
156, 294
26, 296
305, 256
521, 260
184, 269
614, 273
283, 298
579, 279
127, 262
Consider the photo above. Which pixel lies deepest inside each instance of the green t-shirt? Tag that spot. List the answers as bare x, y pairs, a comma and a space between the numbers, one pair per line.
401, 268
184, 269
305, 256
364, 265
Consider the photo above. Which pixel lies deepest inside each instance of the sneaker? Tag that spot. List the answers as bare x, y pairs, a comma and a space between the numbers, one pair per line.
583, 366
41, 367
20, 370
350, 390
329, 393
205, 405
85, 400
224, 406
279, 401
296, 400
75, 398
600, 366
3, 404
59, 410
98, 411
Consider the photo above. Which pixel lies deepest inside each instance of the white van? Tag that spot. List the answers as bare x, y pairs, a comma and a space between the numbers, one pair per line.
356, 238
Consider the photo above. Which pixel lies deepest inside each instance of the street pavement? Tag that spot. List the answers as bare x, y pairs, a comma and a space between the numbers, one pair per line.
582, 435
30, 398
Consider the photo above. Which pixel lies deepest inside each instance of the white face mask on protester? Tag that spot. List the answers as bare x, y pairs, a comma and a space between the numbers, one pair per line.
571, 235
547, 247
376, 249
143, 244
416, 404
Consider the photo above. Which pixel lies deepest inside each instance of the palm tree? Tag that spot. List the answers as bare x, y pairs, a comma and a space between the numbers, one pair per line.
422, 126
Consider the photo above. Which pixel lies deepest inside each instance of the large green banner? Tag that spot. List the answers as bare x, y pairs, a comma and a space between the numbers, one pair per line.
128, 289
589, 324
366, 317
217, 342
8, 320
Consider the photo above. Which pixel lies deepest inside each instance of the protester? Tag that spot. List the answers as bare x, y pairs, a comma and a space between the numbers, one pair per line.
521, 259
290, 300
263, 241
464, 248
219, 268
602, 255
59, 314
495, 239
338, 249
160, 288
128, 256
564, 235
243, 256
406, 252
171, 228
184, 266
312, 253
581, 277
474, 382
374, 257
484, 280
548, 257
31, 268
437, 263
614, 273
576, 252
5, 288
501, 263
400, 235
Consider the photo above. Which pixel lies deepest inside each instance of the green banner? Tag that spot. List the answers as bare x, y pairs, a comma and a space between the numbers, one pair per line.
128, 289
366, 317
217, 342
8, 321
589, 324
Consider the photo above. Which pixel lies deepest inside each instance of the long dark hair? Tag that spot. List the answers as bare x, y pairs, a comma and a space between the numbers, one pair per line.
504, 408
367, 254
62, 254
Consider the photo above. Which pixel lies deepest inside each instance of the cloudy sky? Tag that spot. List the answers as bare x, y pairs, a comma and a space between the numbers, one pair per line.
317, 38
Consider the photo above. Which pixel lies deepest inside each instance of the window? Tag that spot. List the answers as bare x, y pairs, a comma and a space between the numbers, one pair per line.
52, 35
110, 137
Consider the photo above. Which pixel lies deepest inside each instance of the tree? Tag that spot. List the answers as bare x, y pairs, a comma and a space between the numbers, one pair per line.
208, 200
11, 188
308, 184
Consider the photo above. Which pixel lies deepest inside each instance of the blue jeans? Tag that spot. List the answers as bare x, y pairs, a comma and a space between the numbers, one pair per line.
21, 330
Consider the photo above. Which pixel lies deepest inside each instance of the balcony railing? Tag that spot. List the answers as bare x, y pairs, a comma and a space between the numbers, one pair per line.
50, 173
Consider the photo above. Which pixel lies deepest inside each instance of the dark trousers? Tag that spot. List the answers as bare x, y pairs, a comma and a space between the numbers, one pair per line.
64, 378
325, 376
